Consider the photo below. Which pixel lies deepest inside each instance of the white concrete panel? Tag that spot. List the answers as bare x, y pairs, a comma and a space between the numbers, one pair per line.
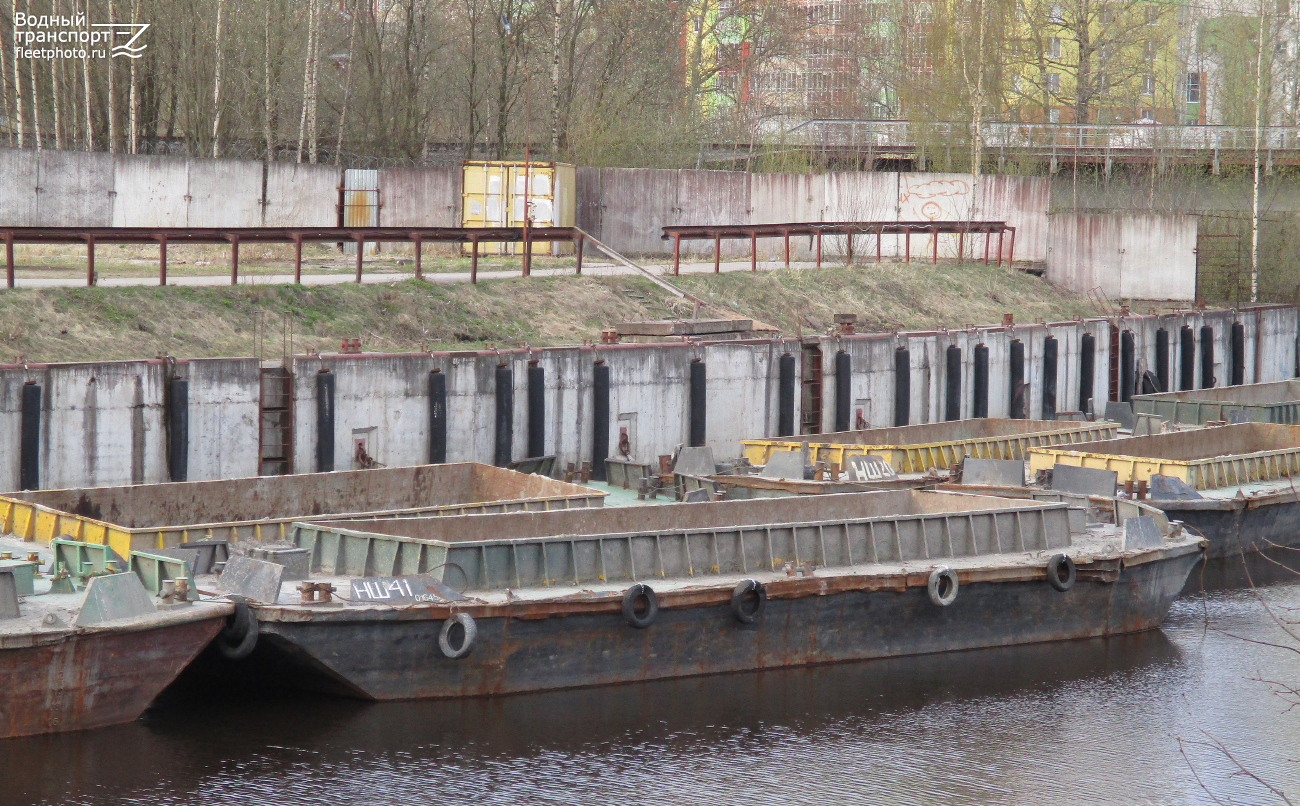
713, 197
636, 203
418, 197
1158, 256
654, 385
1083, 253
223, 415
741, 402
224, 193
301, 195
861, 197
1022, 202
74, 189
150, 192
90, 432
19, 174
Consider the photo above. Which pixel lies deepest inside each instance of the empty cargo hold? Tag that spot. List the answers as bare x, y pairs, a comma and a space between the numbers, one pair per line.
563, 599
164, 515
1224, 456
917, 448
1277, 402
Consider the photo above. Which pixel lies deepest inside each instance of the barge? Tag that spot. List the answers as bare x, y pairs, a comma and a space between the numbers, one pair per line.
497, 604
92, 645
1277, 402
1234, 484
918, 448
163, 516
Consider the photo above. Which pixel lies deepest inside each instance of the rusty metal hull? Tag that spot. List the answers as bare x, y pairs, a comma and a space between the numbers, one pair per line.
393, 654
1240, 525
93, 678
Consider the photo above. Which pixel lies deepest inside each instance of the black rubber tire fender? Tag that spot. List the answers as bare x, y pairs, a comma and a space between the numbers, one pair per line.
935, 589
1061, 573
238, 638
748, 599
467, 623
630, 597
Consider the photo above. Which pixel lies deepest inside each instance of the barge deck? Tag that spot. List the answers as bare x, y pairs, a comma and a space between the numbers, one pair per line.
484, 605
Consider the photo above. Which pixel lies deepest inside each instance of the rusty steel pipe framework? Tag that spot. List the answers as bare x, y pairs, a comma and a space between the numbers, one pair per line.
816, 229
162, 236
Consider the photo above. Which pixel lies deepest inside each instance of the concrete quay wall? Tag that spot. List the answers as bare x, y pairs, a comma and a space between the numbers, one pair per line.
110, 423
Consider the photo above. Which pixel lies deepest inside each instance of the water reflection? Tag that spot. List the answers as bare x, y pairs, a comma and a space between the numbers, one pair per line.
1075, 722
1279, 565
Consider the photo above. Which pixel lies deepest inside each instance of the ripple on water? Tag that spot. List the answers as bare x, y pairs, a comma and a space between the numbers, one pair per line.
1071, 723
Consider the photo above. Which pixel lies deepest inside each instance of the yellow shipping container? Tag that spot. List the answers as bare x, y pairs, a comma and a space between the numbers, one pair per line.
493, 194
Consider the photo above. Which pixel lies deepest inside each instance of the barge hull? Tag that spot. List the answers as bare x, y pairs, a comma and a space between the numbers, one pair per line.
95, 678
1235, 526
394, 654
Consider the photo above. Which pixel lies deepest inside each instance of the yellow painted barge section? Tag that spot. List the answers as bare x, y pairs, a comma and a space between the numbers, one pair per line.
144, 517
917, 448
1223, 456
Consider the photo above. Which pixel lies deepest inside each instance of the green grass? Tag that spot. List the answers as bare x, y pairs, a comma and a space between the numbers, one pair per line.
70, 324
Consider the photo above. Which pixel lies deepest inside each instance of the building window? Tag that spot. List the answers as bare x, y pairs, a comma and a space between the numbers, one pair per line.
1148, 85
1053, 115
1107, 15
1055, 15
1150, 51
1054, 48
1193, 88
1101, 83
1146, 116
1053, 82
1153, 15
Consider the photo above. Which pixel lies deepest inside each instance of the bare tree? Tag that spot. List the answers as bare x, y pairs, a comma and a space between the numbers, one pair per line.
216, 85
18, 80
347, 89
133, 103
36, 105
308, 115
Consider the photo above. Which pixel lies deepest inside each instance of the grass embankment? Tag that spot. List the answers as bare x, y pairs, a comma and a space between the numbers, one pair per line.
74, 324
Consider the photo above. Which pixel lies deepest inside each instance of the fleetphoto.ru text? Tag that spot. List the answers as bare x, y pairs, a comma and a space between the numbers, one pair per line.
52, 36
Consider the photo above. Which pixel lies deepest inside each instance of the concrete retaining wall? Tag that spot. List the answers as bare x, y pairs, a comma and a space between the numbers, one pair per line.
74, 189
1126, 256
626, 207
104, 423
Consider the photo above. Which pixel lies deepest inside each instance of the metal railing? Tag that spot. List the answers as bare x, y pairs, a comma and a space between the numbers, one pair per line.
234, 236
816, 229
903, 134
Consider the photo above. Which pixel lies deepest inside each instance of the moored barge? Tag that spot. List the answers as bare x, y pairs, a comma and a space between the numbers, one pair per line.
1277, 402
496, 604
92, 647
918, 448
1234, 484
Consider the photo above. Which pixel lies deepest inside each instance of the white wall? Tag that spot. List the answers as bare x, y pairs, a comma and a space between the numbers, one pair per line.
1126, 256
104, 423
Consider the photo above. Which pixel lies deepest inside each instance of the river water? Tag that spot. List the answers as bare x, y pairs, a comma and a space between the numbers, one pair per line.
1124, 720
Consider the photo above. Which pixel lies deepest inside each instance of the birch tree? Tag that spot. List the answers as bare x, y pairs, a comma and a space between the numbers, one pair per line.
216, 85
